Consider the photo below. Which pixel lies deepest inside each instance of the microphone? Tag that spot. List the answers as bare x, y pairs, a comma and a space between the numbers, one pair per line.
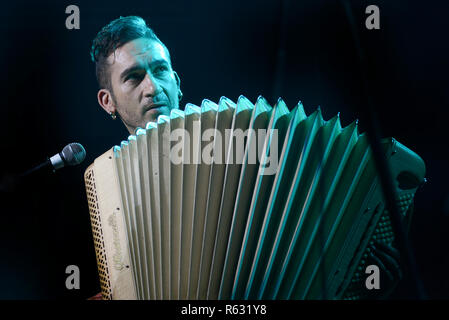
72, 155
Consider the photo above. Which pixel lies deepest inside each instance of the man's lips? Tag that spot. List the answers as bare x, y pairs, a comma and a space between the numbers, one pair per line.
155, 105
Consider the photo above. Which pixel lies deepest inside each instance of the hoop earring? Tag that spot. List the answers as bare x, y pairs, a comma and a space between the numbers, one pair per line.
113, 116
180, 95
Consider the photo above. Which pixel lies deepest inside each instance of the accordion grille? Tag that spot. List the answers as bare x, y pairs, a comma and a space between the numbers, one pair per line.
383, 233
97, 234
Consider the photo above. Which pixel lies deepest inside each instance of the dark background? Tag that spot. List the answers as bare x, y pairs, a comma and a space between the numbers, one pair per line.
219, 48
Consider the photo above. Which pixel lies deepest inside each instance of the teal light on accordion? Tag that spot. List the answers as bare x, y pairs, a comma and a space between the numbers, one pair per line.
242, 201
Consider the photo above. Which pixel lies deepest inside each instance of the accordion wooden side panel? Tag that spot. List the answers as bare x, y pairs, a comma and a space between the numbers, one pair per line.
287, 209
111, 245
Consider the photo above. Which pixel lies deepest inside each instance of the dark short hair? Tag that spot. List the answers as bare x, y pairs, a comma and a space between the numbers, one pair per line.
113, 36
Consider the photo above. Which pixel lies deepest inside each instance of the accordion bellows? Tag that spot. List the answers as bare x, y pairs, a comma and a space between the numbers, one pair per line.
286, 209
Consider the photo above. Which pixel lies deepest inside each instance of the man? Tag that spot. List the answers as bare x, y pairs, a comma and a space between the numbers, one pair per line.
134, 72
135, 75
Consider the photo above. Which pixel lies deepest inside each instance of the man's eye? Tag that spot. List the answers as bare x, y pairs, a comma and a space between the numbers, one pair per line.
160, 69
135, 76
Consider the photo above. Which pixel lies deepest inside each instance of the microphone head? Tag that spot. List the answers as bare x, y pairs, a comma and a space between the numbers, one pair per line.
73, 154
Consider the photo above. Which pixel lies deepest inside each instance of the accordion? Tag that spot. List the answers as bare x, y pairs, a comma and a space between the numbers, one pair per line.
242, 201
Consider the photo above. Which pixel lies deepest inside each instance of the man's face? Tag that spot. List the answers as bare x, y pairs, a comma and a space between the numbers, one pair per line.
143, 82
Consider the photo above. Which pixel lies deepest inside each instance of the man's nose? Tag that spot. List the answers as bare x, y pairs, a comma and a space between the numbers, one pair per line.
151, 86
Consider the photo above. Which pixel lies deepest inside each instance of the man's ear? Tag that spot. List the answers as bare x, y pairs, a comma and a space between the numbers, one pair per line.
105, 100
178, 81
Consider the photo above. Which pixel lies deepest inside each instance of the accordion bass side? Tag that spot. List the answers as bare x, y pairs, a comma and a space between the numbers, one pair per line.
242, 201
